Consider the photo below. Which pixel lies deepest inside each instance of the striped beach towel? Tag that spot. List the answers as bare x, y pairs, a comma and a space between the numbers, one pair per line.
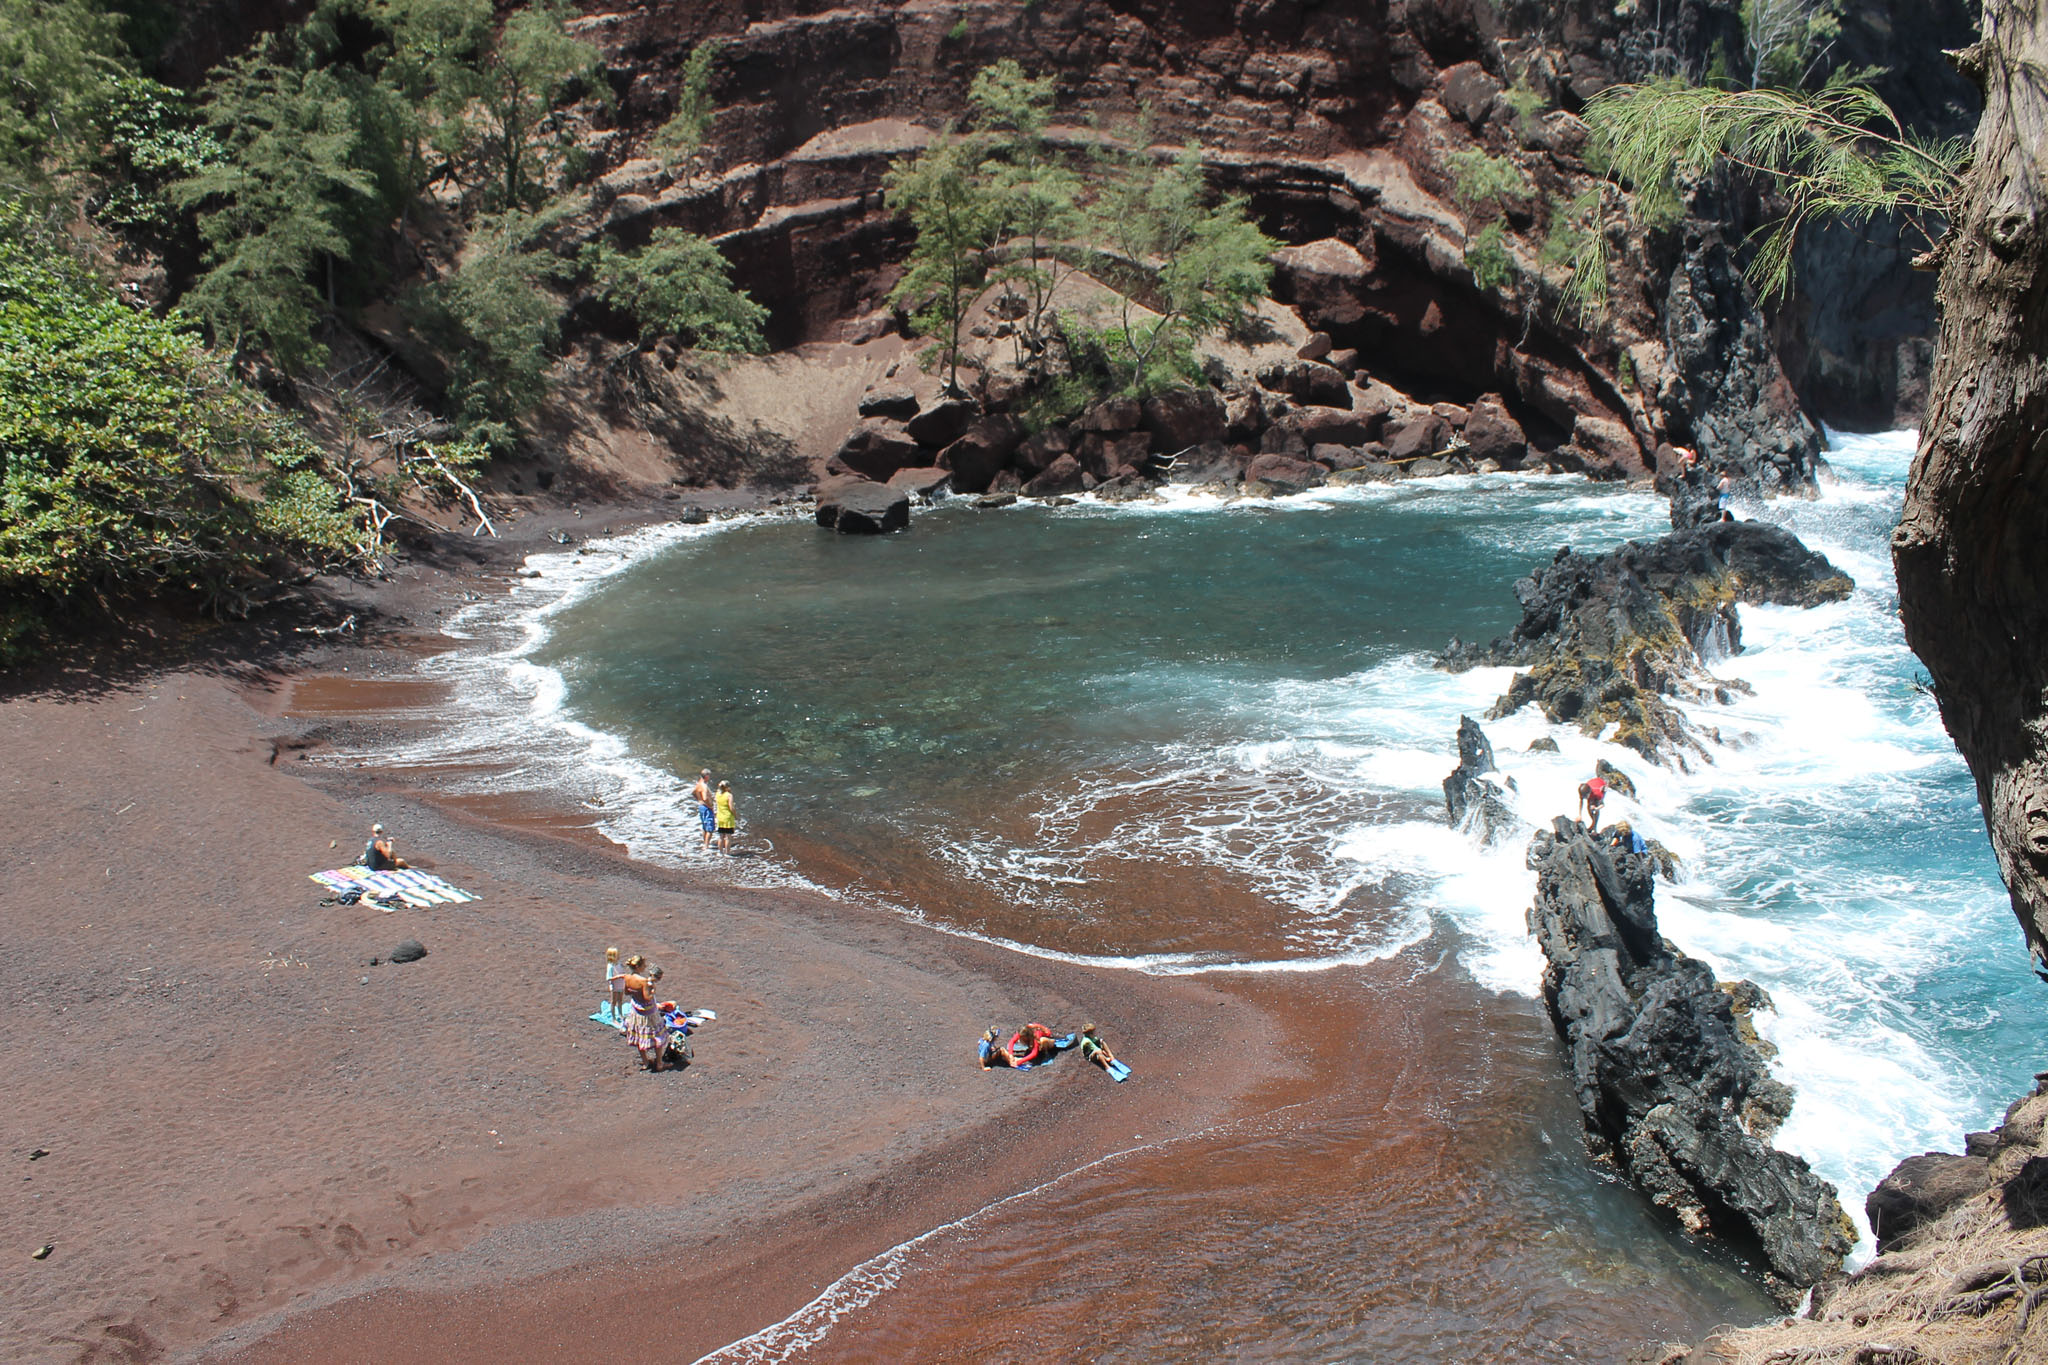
417, 889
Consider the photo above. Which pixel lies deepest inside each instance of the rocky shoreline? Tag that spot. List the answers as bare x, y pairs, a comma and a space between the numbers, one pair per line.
1607, 641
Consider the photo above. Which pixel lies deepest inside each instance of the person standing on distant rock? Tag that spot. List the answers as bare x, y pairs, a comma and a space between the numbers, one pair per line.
1592, 794
701, 794
728, 818
1722, 492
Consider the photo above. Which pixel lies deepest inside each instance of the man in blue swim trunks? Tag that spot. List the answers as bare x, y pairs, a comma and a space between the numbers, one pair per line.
701, 794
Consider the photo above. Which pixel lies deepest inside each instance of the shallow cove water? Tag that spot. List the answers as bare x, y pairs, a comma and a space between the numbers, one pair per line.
1198, 736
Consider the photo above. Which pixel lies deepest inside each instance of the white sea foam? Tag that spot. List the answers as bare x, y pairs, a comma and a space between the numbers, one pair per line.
1788, 834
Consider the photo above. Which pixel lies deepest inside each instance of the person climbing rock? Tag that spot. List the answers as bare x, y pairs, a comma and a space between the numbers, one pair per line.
1592, 795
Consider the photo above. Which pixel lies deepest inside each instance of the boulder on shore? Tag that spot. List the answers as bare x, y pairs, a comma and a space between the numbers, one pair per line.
1670, 1092
1285, 473
857, 506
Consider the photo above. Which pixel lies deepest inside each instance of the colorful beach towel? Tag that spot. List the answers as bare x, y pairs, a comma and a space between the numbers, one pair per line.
417, 889
685, 1021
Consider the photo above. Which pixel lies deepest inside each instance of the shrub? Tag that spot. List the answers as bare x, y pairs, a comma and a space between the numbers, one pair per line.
131, 462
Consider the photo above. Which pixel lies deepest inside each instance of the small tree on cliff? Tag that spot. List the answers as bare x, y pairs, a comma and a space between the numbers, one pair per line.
678, 285
1192, 265
680, 139
958, 222
1037, 194
1969, 549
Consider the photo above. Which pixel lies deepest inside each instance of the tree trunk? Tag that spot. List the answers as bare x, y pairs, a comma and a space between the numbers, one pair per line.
1971, 548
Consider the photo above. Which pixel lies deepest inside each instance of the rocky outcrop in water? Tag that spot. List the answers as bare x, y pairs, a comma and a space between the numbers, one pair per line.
1610, 640
1670, 1092
1472, 793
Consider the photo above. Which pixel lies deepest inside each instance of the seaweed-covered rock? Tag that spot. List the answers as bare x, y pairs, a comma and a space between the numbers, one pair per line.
1670, 1092
1609, 640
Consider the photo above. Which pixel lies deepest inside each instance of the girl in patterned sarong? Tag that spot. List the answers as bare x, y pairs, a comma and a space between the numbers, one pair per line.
646, 1025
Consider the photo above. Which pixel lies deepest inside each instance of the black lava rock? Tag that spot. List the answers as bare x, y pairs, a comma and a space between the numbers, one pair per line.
1670, 1092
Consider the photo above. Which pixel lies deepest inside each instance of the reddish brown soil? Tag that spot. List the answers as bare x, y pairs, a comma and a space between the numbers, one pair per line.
262, 1147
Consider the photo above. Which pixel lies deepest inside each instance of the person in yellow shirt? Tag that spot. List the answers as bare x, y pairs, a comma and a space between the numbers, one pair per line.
728, 819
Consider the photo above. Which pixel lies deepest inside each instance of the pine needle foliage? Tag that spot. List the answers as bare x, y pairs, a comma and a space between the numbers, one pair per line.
1838, 152
281, 201
678, 285
1577, 244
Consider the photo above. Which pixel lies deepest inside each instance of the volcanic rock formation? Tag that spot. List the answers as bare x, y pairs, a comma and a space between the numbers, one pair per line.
1473, 790
1670, 1091
1609, 640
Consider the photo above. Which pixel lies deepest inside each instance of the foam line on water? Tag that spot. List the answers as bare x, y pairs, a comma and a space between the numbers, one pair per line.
511, 724
857, 1288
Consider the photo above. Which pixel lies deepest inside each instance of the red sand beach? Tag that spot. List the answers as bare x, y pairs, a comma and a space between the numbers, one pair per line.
262, 1147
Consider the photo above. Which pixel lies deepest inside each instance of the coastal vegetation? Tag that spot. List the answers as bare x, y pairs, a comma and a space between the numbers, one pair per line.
417, 153
998, 204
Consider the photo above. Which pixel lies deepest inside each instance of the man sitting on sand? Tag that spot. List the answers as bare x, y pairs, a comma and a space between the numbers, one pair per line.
378, 855
1094, 1049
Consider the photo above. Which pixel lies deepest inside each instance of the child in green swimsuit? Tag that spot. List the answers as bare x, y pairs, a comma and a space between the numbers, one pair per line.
1094, 1049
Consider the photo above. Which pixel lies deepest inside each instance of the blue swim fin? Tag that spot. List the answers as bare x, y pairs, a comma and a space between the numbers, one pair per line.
1117, 1071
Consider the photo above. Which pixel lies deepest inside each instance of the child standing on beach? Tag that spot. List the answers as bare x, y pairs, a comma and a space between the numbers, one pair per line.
615, 982
728, 818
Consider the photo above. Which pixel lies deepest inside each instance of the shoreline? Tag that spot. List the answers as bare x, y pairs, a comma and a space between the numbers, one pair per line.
462, 1193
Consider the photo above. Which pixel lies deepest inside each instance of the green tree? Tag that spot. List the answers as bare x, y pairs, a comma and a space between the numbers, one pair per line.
679, 285
60, 65
495, 321
153, 138
517, 83
132, 462
680, 139
1037, 195
281, 202
1193, 265
958, 222
427, 67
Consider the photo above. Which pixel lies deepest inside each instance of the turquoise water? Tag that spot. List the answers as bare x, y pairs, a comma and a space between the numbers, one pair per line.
1205, 737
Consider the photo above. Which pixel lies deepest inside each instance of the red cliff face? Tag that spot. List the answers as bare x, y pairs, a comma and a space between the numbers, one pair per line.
1339, 122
